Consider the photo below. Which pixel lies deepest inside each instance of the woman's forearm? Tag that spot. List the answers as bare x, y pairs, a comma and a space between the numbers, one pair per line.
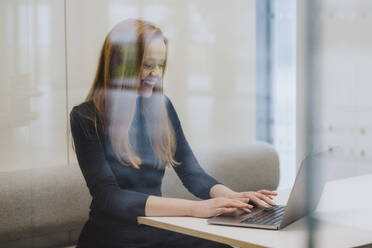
163, 206
220, 190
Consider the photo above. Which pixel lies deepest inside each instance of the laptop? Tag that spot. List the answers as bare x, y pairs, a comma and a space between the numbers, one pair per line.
299, 204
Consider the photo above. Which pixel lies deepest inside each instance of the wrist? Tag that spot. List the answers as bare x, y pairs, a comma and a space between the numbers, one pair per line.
231, 194
220, 190
192, 207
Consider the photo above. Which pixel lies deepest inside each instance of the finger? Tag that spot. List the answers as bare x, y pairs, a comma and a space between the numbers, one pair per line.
245, 199
249, 206
258, 202
268, 196
265, 199
225, 210
267, 192
236, 203
269, 201
247, 210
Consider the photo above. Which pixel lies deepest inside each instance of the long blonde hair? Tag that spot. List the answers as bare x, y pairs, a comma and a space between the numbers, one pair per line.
115, 98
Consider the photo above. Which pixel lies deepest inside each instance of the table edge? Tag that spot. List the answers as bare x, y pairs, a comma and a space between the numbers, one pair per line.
199, 234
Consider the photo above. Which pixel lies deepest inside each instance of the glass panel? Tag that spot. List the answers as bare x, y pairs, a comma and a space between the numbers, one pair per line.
338, 51
276, 82
32, 85
210, 69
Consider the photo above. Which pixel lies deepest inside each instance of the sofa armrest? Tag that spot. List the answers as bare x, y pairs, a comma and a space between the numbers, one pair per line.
43, 205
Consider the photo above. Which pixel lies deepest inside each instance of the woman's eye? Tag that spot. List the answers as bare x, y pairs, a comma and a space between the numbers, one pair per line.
152, 66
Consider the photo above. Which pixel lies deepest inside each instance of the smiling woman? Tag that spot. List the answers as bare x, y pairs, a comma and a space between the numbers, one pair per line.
153, 66
126, 134
132, 64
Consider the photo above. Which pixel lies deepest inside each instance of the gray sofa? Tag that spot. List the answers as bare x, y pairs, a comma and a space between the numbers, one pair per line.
47, 207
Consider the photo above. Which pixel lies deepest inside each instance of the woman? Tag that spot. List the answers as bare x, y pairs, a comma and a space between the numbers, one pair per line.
125, 134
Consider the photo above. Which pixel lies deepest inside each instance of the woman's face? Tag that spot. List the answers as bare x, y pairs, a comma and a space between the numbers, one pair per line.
153, 65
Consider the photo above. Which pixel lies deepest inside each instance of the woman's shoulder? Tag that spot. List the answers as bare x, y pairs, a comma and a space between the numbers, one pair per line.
84, 108
172, 113
168, 103
83, 119
83, 111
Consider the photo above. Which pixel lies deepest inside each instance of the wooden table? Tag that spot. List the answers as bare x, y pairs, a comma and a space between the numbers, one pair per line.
344, 214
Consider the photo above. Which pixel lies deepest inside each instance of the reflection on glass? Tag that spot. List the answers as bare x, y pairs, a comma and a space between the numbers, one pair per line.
199, 83
338, 116
276, 82
117, 10
127, 132
31, 90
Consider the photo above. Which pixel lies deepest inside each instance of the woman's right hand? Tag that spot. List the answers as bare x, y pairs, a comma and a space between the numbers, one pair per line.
219, 205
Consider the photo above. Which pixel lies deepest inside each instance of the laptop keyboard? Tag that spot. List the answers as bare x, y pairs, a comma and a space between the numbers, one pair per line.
269, 216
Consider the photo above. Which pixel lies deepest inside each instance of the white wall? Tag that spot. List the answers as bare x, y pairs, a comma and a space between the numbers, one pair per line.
32, 84
342, 57
210, 75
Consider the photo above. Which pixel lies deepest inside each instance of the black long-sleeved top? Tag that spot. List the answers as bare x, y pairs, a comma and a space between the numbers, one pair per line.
119, 193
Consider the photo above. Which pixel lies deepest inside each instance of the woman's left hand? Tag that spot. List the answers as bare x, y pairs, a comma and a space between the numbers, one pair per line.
262, 198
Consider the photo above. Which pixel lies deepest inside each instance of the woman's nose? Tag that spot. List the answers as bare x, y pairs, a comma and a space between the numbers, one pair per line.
156, 71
